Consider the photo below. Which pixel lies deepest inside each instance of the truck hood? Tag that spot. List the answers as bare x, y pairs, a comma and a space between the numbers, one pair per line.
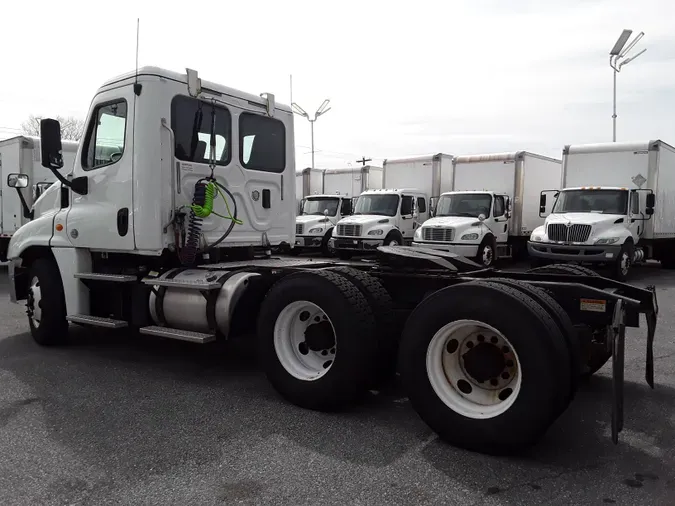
365, 219
583, 218
305, 219
450, 221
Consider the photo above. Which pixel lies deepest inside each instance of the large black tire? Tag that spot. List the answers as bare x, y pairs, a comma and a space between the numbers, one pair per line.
325, 248
565, 325
387, 329
350, 374
52, 329
597, 355
535, 338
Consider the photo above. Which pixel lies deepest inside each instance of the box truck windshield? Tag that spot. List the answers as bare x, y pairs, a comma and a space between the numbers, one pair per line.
592, 201
386, 205
318, 205
464, 204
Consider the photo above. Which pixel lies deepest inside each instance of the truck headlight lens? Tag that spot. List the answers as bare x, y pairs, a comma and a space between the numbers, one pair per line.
378, 231
418, 234
315, 230
607, 240
470, 237
535, 238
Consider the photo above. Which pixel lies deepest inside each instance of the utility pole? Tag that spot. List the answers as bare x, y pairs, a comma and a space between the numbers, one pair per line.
363, 160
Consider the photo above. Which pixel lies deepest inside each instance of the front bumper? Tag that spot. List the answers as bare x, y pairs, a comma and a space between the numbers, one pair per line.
308, 241
355, 244
465, 250
575, 253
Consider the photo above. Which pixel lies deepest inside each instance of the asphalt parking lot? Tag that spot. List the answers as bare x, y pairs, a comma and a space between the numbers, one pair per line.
113, 420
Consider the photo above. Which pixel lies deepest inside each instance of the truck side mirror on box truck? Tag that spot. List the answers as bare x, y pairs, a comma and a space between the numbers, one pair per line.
50, 144
542, 204
17, 180
651, 202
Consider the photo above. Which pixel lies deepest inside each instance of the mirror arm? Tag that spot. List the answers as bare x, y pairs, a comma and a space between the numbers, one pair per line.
79, 185
27, 212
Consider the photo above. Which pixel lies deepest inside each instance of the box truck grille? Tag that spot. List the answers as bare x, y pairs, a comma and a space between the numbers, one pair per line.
575, 233
349, 230
438, 234
298, 229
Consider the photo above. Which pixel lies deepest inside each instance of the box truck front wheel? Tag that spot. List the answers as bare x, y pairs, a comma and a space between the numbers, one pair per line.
622, 265
46, 303
317, 340
486, 252
483, 364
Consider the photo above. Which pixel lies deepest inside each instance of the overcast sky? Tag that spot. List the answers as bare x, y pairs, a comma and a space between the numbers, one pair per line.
460, 77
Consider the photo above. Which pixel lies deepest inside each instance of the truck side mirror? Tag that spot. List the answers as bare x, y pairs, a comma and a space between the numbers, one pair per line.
651, 202
346, 208
542, 204
17, 180
50, 144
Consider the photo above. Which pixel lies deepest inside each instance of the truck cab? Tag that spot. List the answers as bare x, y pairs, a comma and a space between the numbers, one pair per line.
600, 224
319, 215
473, 224
381, 217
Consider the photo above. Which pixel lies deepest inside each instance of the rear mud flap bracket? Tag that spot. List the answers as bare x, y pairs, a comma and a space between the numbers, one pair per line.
618, 360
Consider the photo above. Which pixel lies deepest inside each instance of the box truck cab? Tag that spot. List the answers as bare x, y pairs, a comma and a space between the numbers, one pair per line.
319, 215
381, 217
493, 206
469, 223
308, 181
615, 208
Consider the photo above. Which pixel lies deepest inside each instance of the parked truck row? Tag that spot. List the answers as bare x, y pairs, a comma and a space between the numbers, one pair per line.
152, 234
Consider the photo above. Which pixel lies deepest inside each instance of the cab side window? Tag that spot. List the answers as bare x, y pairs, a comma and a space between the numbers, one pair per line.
406, 205
499, 206
104, 144
262, 143
191, 124
635, 203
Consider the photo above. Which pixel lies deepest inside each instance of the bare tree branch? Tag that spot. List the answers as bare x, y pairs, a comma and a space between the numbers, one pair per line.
71, 128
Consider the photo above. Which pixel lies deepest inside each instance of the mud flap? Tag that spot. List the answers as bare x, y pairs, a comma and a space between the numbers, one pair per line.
618, 354
651, 330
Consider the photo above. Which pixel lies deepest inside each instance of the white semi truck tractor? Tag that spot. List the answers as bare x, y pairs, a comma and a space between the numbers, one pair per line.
615, 208
493, 208
176, 176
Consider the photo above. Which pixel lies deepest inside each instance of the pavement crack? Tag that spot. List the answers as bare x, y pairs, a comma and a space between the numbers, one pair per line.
14, 408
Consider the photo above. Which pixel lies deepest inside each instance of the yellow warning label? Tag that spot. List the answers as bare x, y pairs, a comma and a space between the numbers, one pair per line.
596, 305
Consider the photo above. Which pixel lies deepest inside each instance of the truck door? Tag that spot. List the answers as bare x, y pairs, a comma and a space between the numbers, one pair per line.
499, 223
103, 219
407, 223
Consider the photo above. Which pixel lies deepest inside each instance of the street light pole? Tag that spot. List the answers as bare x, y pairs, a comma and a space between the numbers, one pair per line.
615, 55
323, 109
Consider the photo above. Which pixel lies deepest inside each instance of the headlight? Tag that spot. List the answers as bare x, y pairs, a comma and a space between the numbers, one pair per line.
535, 238
418, 234
469, 237
315, 230
378, 231
607, 240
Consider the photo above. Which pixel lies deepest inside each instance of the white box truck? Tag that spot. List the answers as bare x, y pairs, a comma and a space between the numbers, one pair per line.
389, 216
308, 181
21, 155
352, 181
493, 208
616, 207
320, 213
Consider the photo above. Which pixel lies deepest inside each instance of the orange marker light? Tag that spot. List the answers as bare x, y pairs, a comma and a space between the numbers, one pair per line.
59, 227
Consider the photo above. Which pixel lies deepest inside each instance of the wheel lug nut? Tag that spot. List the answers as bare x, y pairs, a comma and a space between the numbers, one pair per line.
509, 363
470, 344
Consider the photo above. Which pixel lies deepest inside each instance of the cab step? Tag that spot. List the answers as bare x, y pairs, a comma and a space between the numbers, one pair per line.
196, 284
99, 276
181, 335
97, 321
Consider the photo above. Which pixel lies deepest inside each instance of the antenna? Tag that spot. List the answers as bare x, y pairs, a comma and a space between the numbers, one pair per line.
137, 87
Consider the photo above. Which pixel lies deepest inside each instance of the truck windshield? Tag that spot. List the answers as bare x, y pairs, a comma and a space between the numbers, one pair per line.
320, 204
464, 204
385, 205
592, 201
